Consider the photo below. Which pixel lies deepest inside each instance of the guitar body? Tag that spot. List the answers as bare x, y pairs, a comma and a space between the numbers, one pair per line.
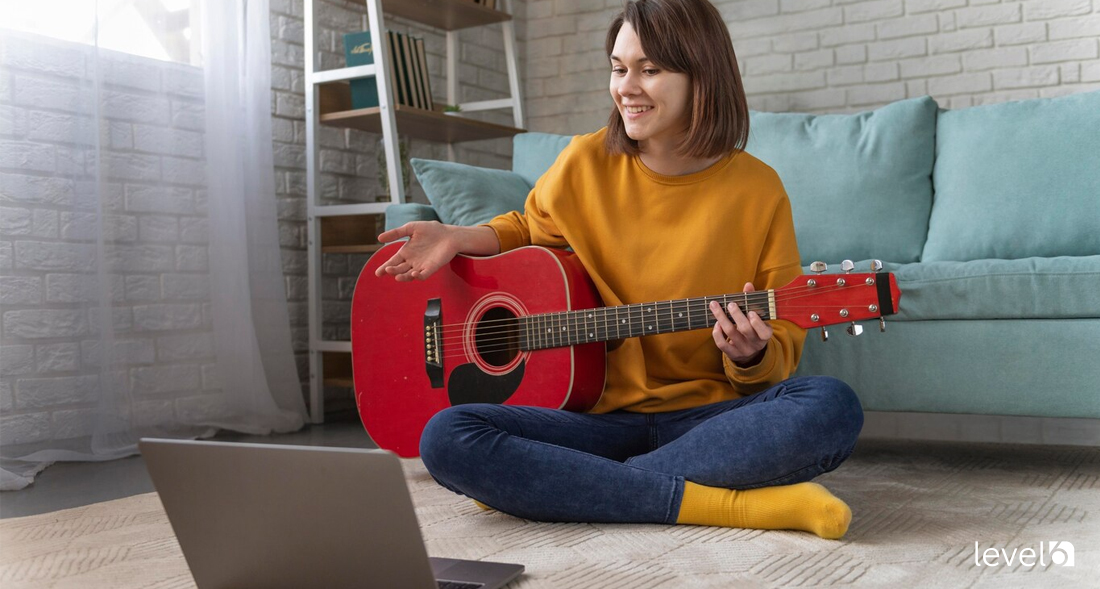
398, 387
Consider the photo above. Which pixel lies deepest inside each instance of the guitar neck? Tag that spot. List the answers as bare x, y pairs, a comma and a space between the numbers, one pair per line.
601, 324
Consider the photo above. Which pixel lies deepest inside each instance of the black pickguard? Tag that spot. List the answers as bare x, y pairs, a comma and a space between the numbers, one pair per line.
468, 384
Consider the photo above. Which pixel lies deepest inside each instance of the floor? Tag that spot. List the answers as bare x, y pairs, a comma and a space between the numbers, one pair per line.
924, 513
73, 484
66, 485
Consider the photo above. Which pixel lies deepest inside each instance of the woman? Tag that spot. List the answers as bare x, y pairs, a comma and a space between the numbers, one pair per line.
693, 427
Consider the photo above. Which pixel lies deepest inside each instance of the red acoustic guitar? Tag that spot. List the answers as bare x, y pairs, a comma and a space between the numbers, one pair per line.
526, 327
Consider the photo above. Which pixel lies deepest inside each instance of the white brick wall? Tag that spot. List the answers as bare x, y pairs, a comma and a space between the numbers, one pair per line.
154, 227
836, 55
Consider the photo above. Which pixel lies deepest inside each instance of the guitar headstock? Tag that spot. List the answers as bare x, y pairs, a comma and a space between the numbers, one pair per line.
819, 299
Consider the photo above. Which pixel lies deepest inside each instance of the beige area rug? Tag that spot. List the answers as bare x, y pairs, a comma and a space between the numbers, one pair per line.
918, 510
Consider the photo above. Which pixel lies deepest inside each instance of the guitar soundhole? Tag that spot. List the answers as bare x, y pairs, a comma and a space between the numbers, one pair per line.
497, 337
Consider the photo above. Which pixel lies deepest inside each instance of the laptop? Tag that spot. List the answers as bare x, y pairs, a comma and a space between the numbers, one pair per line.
270, 516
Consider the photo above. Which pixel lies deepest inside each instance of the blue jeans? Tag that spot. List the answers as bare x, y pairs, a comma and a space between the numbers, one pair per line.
552, 465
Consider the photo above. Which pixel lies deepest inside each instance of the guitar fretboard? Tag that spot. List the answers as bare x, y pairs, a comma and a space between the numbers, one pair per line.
555, 330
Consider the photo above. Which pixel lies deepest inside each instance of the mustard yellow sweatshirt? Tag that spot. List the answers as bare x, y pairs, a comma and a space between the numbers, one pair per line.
644, 237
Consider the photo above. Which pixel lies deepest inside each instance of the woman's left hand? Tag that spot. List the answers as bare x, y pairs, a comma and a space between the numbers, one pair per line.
744, 339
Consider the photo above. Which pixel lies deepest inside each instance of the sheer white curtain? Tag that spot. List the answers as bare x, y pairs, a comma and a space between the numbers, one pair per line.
141, 282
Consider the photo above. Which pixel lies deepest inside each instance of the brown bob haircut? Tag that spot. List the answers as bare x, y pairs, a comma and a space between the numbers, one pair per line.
689, 37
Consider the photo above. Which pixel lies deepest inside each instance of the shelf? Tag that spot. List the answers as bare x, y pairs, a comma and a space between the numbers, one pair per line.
350, 234
431, 125
352, 226
449, 15
337, 367
351, 249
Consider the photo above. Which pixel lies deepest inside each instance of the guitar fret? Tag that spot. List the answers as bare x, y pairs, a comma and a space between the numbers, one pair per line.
538, 330
547, 331
601, 314
571, 321
559, 330
568, 328
566, 334
551, 342
552, 336
563, 329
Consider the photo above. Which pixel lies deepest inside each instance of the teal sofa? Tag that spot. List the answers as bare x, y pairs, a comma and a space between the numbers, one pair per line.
988, 216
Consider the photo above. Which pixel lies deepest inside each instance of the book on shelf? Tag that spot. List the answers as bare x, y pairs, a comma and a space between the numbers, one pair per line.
425, 75
400, 88
410, 67
359, 51
407, 72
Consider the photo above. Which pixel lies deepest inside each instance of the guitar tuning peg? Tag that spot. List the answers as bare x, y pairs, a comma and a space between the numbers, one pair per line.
882, 324
818, 267
847, 266
824, 335
855, 329
876, 265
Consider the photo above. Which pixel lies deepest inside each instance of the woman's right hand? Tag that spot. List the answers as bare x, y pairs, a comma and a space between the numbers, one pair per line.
430, 246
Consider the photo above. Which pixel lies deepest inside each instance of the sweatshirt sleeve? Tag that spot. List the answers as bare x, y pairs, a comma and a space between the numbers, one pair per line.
779, 264
535, 225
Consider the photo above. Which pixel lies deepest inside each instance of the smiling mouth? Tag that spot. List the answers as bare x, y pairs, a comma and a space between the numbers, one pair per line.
634, 110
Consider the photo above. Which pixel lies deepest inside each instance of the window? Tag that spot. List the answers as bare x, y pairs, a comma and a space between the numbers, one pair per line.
158, 29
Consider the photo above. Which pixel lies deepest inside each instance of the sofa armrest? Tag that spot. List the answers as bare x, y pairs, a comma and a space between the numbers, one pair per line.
399, 214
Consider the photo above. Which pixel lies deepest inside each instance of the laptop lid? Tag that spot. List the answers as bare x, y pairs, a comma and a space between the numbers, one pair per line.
271, 516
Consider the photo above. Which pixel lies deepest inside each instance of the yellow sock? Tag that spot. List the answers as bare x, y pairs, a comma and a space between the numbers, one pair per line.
803, 506
482, 505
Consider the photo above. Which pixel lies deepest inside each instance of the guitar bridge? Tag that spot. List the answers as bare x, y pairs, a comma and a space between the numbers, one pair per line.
433, 343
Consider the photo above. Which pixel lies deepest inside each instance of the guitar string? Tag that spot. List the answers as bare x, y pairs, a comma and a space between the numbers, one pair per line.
573, 330
505, 331
761, 297
511, 334
637, 311
499, 344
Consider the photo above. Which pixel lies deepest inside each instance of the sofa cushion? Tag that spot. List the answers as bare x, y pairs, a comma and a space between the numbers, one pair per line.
1029, 288
468, 195
401, 213
860, 185
534, 153
1017, 179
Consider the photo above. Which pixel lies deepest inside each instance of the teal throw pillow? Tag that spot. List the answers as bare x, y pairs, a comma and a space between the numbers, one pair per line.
860, 184
1017, 180
534, 153
468, 195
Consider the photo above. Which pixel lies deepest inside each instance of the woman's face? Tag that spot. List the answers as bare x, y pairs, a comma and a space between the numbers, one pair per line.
654, 103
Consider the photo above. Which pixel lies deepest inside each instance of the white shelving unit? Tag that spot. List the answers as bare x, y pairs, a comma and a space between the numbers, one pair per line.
333, 228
